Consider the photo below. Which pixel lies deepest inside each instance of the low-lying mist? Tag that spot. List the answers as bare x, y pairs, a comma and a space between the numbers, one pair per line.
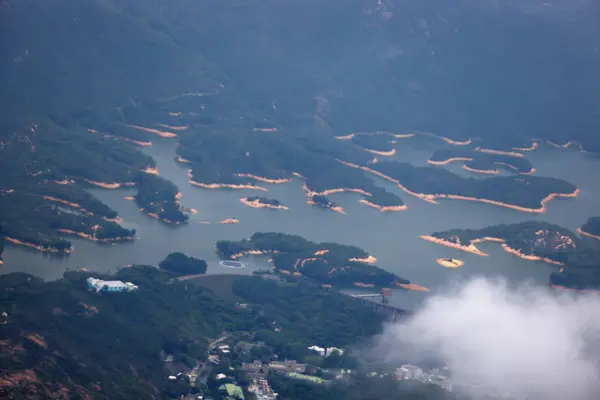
526, 341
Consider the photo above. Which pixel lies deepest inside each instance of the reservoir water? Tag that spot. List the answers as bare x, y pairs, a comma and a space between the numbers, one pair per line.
391, 237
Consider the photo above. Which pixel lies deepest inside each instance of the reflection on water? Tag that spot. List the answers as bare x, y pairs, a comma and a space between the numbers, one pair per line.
392, 237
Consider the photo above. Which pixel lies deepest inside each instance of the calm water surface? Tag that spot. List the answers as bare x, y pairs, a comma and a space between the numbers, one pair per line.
391, 237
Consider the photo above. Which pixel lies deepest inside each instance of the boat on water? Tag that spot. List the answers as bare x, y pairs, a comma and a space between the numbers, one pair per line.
232, 264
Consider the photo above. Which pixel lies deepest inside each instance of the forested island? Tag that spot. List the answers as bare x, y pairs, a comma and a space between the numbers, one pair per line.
575, 258
180, 264
323, 202
480, 161
158, 198
263, 202
326, 263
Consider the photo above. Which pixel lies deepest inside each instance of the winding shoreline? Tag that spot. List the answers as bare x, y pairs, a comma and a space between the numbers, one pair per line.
450, 263
40, 248
114, 185
533, 146
263, 179
229, 221
448, 161
383, 208
337, 208
471, 248
481, 171
499, 152
163, 134
587, 234
388, 153
226, 186
258, 204
95, 239
431, 198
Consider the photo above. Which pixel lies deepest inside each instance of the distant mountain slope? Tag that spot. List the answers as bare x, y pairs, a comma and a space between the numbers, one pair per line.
502, 70
62, 54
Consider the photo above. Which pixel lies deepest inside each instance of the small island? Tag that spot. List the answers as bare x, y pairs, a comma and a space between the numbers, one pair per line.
450, 262
263, 202
323, 202
159, 198
325, 263
179, 264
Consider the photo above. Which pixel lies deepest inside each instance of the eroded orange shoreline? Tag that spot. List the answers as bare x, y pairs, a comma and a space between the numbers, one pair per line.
113, 185
447, 140
258, 204
450, 263
499, 152
67, 203
367, 260
158, 218
481, 171
328, 192
448, 161
163, 134
388, 153
533, 146
124, 139
566, 145
95, 239
65, 182
412, 286
228, 221
43, 249
264, 179
252, 253
590, 235
472, 248
225, 186
431, 198
383, 208
175, 127
152, 169
337, 209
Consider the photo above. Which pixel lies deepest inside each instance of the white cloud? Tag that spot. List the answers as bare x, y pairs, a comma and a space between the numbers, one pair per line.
525, 341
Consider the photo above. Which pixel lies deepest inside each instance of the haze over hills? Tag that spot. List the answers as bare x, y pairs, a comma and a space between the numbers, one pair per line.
261, 92
309, 70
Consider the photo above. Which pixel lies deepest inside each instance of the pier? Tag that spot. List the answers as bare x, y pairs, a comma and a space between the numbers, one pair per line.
379, 302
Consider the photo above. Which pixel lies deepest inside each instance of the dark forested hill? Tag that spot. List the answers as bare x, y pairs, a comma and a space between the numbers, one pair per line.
60, 340
447, 67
